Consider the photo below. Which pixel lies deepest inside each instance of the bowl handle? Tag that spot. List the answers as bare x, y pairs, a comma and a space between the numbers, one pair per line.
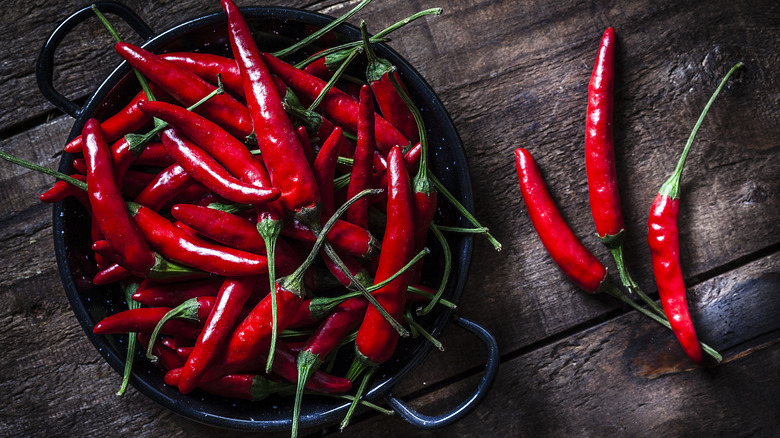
491, 368
45, 66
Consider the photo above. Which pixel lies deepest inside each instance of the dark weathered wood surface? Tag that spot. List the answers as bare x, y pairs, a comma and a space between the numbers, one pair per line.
511, 74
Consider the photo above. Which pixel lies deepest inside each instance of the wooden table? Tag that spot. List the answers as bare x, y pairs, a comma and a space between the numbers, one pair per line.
511, 74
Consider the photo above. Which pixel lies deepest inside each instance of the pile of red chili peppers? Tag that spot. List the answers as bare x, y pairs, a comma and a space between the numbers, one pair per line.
237, 201
568, 252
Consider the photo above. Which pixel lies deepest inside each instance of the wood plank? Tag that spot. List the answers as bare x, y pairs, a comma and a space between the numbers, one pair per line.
578, 385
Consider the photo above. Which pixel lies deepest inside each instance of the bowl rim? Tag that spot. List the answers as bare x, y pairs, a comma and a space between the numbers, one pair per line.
381, 384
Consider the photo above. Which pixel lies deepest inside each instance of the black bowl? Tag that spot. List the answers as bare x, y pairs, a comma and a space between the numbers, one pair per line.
273, 28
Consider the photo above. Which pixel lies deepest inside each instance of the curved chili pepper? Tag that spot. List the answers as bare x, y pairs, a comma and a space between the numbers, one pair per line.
168, 184
188, 88
177, 245
206, 170
363, 164
107, 205
230, 300
128, 119
341, 108
282, 152
390, 102
207, 66
145, 319
61, 190
564, 247
664, 241
226, 149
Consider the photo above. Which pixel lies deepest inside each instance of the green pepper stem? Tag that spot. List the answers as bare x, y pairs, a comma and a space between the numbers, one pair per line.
335, 78
361, 389
269, 230
425, 334
445, 246
462, 210
316, 35
671, 187
129, 289
38, 168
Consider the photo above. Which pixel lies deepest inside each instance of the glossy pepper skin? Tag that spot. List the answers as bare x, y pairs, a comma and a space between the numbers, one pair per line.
283, 155
108, 207
229, 302
176, 244
363, 165
599, 147
664, 242
564, 247
202, 167
376, 338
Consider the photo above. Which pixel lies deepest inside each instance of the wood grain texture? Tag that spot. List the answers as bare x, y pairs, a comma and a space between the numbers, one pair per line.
510, 74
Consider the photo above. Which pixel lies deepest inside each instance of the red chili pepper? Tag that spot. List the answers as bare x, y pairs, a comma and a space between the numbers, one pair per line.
107, 205
252, 387
341, 108
344, 319
599, 148
303, 138
188, 88
179, 246
230, 300
145, 319
128, 119
282, 152
345, 237
206, 170
363, 164
61, 190
390, 102
207, 66
564, 247
377, 338
236, 232
226, 149
664, 241
165, 187
172, 294
324, 168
